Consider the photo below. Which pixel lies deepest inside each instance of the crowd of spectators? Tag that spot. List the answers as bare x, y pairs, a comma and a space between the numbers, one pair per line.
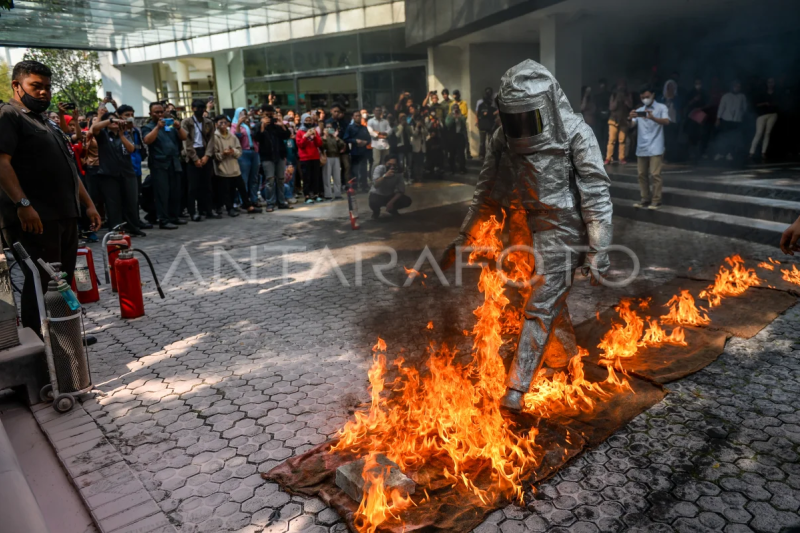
740, 122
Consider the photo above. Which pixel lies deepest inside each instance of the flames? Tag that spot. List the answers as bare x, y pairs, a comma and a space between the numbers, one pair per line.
730, 282
683, 311
377, 506
792, 276
447, 414
433, 415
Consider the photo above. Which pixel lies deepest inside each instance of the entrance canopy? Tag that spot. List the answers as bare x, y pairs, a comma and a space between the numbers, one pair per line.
119, 24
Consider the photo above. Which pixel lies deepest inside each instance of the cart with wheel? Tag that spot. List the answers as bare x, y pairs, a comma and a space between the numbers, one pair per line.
61, 317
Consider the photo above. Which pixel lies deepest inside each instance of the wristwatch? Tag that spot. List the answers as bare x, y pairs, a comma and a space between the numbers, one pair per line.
23, 202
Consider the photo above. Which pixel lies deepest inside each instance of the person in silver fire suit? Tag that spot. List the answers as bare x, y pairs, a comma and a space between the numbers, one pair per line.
561, 182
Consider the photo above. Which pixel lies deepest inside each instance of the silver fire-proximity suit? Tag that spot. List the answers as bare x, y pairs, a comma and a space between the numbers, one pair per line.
562, 185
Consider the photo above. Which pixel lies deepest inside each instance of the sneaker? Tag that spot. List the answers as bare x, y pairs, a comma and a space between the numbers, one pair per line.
309, 201
197, 218
233, 213
92, 237
319, 199
654, 206
285, 206
215, 215
292, 200
642, 204
179, 221
255, 210
167, 225
143, 224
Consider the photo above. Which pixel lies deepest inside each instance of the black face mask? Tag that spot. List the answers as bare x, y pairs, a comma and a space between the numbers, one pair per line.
198, 112
34, 104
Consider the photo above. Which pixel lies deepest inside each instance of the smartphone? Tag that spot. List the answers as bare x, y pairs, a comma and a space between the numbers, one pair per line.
70, 106
168, 122
642, 114
108, 95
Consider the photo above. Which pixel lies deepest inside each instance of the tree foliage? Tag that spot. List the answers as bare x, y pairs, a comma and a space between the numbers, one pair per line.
5, 82
75, 75
8, 5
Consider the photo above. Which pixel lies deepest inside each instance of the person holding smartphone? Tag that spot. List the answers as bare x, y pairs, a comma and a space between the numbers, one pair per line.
117, 178
649, 121
164, 138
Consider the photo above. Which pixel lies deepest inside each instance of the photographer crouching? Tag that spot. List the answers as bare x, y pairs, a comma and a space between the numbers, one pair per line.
41, 191
388, 188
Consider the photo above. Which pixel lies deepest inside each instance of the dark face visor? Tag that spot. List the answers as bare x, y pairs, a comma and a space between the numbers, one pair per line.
522, 125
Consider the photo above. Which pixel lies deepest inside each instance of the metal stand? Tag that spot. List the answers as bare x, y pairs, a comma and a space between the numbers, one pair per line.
62, 401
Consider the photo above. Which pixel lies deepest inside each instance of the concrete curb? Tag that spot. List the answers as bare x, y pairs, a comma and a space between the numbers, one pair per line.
113, 494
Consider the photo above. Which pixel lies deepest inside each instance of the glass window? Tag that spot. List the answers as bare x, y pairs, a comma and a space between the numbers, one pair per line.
255, 62
388, 45
332, 52
279, 59
258, 92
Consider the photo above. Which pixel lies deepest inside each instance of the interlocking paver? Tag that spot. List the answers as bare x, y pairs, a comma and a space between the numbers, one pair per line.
227, 378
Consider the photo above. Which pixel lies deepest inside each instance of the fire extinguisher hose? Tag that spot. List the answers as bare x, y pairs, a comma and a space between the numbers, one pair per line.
152, 271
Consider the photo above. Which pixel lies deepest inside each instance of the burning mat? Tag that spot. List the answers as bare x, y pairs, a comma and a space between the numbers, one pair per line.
442, 427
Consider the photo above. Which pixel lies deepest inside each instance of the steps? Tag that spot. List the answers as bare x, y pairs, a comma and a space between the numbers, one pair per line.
756, 206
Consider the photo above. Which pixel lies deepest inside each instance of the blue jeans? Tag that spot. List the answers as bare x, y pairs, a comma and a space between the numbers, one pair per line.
248, 164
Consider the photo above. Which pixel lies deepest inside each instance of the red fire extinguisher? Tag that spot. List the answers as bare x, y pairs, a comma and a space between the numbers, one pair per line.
352, 204
84, 282
114, 242
129, 283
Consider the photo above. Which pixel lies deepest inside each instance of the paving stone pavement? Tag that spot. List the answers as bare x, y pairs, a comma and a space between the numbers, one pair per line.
227, 377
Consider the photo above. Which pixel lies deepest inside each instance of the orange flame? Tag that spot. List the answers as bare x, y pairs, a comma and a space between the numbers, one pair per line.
414, 273
731, 282
684, 312
376, 506
622, 341
644, 303
567, 392
656, 336
766, 265
430, 325
435, 414
774, 261
792, 276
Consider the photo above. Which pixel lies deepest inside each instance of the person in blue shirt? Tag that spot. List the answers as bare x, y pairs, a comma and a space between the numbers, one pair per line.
358, 137
134, 135
649, 121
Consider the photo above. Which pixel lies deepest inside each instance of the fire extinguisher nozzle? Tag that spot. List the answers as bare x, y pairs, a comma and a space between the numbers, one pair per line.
152, 271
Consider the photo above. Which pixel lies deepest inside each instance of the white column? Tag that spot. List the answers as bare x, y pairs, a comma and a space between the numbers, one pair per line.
560, 50
181, 71
222, 81
133, 85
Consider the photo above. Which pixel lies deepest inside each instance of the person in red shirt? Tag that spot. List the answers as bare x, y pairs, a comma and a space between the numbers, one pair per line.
308, 144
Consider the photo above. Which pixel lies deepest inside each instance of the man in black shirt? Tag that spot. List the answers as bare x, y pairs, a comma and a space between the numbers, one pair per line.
117, 177
164, 142
41, 190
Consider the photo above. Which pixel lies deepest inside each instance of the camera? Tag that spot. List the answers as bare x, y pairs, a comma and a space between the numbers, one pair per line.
642, 114
70, 106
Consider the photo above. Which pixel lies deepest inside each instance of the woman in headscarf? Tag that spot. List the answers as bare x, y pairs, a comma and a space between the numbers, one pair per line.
308, 144
249, 163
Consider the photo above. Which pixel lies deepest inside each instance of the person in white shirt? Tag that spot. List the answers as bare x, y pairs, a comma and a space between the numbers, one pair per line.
379, 130
730, 114
649, 120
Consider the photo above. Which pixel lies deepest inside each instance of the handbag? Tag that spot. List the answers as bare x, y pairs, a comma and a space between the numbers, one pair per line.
323, 158
698, 115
